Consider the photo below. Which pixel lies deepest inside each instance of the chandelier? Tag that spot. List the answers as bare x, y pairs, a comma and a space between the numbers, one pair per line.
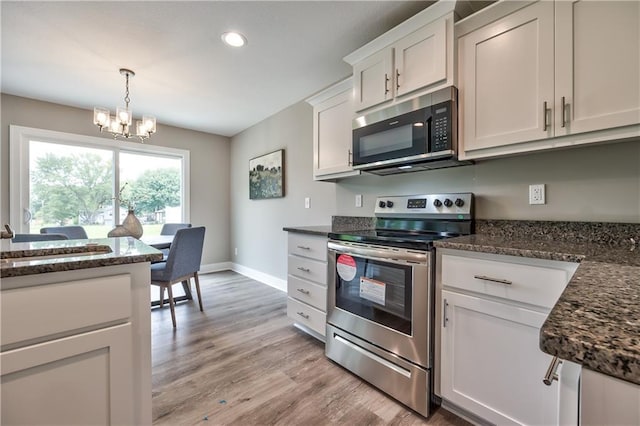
120, 125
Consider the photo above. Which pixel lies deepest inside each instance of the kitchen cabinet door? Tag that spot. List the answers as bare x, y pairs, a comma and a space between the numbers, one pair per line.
421, 58
332, 132
78, 380
597, 65
506, 74
491, 364
373, 79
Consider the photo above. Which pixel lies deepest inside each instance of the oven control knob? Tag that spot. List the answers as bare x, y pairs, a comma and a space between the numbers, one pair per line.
389, 204
437, 203
382, 204
459, 202
448, 202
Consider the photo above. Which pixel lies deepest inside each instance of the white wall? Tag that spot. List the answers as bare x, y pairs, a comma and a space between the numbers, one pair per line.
209, 163
595, 183
256, 225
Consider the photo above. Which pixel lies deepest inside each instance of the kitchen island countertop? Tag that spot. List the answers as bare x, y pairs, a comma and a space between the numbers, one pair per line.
596, 321
66, 255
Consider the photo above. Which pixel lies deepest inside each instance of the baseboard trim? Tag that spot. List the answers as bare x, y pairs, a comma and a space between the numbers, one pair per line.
215, 267
267, 279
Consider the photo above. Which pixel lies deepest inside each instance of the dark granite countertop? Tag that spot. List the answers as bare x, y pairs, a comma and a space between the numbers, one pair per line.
338, 224
310, 230
18, 259
596, 321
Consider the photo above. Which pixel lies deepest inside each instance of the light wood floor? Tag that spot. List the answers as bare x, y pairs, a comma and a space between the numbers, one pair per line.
242, 362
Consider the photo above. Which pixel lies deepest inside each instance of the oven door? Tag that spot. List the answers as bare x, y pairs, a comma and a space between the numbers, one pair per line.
382, 295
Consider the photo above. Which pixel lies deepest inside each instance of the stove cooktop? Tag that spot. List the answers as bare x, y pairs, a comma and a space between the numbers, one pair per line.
416, 221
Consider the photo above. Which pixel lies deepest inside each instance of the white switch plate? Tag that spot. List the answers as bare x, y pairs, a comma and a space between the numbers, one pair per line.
536, 194
307, 202
235, 251
358, 200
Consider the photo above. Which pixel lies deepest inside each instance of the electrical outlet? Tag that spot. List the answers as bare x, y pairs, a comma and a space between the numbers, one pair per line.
358, 200
536, 194
235, 251
307, 202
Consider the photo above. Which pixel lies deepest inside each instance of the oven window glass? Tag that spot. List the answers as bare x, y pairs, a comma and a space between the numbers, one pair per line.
388, 141
375, 290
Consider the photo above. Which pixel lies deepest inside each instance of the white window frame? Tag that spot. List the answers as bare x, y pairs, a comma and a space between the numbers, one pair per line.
19, 184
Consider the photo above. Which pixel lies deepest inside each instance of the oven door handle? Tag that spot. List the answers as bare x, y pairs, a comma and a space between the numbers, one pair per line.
390, 255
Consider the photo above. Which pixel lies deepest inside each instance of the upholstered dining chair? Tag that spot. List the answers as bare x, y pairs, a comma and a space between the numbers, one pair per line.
172, 228
183, 263
27, 238
73, 232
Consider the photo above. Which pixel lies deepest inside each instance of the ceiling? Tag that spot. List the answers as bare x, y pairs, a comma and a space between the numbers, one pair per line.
70, 52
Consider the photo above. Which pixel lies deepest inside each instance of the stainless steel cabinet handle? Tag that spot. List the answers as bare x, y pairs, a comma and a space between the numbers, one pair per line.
386, 83
304, 248
303, 315
303, 291
444, 314
495, 280
563, 107
300, 268
350, 158
544, 113
397, 80
551, 371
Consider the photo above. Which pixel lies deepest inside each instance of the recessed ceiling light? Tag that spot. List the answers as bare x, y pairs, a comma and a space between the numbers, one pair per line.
234, 39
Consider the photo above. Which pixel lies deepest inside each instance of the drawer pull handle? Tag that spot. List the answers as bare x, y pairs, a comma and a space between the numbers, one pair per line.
304, 248
303, 315
300, 268
551, 371
445, 319
545, 111
303, 291
495, 280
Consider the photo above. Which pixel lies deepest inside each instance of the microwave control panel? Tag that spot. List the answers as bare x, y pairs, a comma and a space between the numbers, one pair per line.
441, 132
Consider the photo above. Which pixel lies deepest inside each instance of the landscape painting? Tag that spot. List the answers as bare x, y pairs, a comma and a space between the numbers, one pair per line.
265, 176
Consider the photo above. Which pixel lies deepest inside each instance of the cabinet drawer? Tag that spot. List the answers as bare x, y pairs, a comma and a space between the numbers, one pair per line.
313, 247
36, 312
308, 269
307, 292
306, 315
539, 284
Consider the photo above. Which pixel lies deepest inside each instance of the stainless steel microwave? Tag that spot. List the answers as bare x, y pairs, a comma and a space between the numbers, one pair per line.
418, 134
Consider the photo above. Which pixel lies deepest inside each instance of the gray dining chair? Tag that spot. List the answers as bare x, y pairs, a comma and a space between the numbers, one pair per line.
172, 228
183, 263
27, 238
73, 232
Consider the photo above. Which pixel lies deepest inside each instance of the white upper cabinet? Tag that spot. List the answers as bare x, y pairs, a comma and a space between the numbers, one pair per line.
414, 58
332, 132
373, 77
506, 79
539, 75
421, 58
597, 65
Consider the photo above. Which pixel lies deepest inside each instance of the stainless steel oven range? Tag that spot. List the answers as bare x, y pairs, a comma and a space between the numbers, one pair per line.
381, 293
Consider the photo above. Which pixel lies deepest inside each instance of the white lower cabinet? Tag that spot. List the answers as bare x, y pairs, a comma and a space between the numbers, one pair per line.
76, 347
605, 400
78, 380
491, 365
307, 283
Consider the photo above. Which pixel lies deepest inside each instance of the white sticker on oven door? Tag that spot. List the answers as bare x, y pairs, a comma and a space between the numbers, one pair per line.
372, 290
346, 267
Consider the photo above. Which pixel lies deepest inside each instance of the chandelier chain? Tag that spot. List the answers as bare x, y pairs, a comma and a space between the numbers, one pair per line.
126, 96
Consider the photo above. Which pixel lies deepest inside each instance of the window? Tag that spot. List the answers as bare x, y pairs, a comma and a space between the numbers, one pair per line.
66, 179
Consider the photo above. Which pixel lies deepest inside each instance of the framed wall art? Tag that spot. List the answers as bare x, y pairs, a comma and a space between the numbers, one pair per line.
266, 176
